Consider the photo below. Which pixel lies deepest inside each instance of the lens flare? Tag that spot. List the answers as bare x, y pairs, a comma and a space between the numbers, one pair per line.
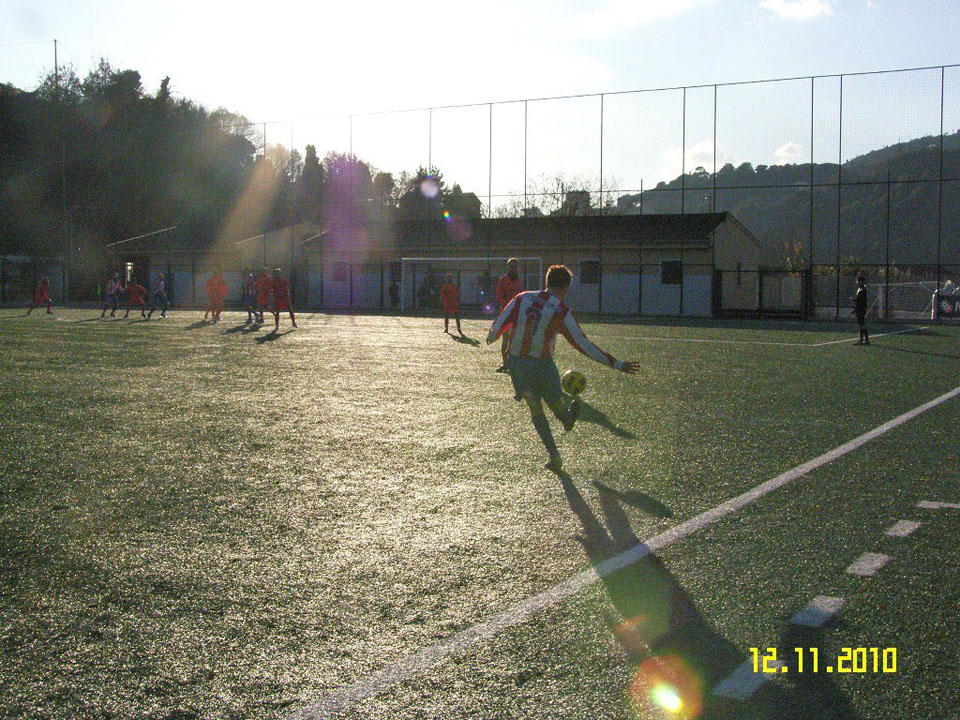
668, 683
666, 697
429, 188
446, 215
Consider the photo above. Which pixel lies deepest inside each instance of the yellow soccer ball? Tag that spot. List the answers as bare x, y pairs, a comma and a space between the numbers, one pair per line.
573, 382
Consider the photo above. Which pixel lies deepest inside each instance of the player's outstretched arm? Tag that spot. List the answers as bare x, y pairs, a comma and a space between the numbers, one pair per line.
504, 321
575, 336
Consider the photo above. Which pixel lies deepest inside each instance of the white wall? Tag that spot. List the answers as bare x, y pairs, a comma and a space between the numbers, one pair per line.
620, 291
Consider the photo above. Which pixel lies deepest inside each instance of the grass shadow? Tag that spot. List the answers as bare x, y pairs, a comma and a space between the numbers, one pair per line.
273, 335
643, 502
590, 414
668, 640
465, 340
196, 325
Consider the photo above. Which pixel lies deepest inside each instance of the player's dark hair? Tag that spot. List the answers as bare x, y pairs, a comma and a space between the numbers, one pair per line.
559, 276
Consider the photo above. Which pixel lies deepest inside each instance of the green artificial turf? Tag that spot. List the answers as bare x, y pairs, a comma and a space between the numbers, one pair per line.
217, 522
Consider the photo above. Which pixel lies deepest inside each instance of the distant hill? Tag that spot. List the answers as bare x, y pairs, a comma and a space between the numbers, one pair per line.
774, 203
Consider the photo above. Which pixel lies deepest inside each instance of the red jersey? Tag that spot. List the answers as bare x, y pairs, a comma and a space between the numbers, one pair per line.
278, 286
136, 294
216, 288
450, 295
507, 288
42, 293
263, 285
533, 320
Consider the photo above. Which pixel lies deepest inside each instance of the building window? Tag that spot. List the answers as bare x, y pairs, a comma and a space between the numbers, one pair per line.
590, 272
340, 272
739, 279
671, 272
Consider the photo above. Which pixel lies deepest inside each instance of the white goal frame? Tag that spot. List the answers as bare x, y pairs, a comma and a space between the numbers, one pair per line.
490, 261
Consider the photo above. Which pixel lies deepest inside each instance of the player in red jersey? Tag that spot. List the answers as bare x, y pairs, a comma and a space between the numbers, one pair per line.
263, 284
532, 320
136, 295
281, 298
450, 295
508, 286
216, 294
41, 296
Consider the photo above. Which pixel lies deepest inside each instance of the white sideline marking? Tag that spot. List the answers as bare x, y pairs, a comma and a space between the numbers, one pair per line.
744, 682
818, 612
416, 663
895, 332
903, 528
765, 342
928, 505
868, 564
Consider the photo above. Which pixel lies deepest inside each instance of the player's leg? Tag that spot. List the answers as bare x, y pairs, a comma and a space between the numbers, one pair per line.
504, 352
457, 317
293, 319
542, 426
446, 322
49, 306
566, 414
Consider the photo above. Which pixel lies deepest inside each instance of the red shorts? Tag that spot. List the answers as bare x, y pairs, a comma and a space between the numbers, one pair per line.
281, 304
41, 298
451, 308
263, 299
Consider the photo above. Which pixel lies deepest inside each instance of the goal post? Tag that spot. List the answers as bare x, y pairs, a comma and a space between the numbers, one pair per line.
421, 278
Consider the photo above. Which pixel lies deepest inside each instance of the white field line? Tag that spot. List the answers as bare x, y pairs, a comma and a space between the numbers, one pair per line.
928, 505
818, 612
903, 528
744, 682
419, 662
868, 564
715, 341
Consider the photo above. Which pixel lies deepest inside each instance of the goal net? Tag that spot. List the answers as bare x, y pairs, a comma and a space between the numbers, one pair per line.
476, 277
904, 300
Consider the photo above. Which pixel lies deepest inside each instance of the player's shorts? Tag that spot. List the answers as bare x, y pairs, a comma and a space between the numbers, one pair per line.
861, 316
41, 299
248, 299
263, 299
538, 376
281, 304
160, 299
110, 299
451, 308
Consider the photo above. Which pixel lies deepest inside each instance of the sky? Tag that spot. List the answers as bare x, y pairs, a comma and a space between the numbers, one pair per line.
298, 65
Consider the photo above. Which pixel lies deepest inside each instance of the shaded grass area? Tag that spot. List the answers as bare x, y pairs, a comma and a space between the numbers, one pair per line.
198, 524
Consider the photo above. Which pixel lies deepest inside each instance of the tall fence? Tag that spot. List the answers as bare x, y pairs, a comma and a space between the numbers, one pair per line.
833, 173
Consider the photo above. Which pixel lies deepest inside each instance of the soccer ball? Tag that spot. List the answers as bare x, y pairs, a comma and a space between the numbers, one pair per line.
573, 382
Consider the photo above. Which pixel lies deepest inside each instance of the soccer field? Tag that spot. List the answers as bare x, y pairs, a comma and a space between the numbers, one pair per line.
351, 519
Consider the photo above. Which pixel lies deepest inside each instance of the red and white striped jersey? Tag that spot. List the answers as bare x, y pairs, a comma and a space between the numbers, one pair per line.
534, 318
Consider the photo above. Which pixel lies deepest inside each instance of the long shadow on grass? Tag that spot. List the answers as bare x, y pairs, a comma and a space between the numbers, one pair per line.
13, 317
464, 340
590, 414
272, 335
245, 328
643, 502
669, 641
196, 325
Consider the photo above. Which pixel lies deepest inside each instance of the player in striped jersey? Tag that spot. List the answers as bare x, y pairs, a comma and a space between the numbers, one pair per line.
532, 320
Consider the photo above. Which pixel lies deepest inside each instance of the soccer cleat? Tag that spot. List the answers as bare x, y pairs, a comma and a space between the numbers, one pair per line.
554, 464
502, 369
573, 412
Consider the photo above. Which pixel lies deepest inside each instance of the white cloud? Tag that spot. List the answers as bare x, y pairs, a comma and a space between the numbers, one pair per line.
797, 9
788, 153
617, 16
